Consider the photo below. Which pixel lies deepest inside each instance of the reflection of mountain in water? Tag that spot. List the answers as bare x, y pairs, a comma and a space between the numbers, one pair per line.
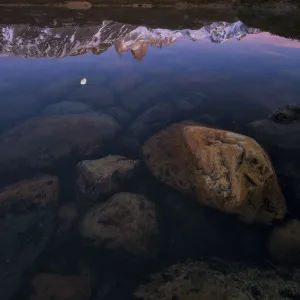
28, 41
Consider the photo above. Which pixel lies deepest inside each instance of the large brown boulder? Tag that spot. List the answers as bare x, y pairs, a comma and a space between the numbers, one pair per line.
222, 169
27, 222
216, 280
42, 142
59, 287
102, 177
126, 221
284, 243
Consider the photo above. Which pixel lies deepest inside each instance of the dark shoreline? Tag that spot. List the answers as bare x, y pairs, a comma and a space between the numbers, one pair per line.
84, 5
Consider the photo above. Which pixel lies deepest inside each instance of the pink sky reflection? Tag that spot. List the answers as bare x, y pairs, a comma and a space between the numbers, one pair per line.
269, 39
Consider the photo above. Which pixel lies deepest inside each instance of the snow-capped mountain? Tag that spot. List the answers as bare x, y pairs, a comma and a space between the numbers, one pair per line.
36, 42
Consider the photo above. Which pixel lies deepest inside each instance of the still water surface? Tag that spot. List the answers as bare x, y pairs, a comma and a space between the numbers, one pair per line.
143, 76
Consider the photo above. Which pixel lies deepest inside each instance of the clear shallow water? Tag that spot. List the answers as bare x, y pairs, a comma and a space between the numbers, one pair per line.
225, 71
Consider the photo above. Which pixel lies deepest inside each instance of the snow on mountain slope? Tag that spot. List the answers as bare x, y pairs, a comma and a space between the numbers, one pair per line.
35, 42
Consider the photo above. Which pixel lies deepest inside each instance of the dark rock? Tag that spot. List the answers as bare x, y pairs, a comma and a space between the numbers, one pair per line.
126, 221
219, 280
27, 222
102, 177
44, 141
58, 287
66, 108
285, 114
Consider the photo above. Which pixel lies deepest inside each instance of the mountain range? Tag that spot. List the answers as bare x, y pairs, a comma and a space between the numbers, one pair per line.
45, 42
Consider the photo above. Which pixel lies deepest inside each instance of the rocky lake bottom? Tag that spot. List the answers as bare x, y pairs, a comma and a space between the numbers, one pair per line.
149, 154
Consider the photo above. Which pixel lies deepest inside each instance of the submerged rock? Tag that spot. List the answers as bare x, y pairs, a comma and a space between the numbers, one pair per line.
286, 114
104, 176
44, 141
284, 243
59, 287
222, 169
126, 221
217, 280
41, 192
66, 108
27, 221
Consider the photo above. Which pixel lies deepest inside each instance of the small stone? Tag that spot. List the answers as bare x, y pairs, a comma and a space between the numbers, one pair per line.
126, 221
59, 287
284, 242
104, 176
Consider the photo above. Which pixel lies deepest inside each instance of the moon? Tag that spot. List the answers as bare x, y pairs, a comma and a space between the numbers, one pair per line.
83, 81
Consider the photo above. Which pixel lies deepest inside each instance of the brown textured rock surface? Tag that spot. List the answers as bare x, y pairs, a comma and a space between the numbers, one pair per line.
104, 176
27, 221
126, 221
228, 171
284, 243
58, 287
41, 192
42, 142
216, 281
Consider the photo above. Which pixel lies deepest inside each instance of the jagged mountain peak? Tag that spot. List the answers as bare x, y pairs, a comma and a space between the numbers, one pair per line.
43, 42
